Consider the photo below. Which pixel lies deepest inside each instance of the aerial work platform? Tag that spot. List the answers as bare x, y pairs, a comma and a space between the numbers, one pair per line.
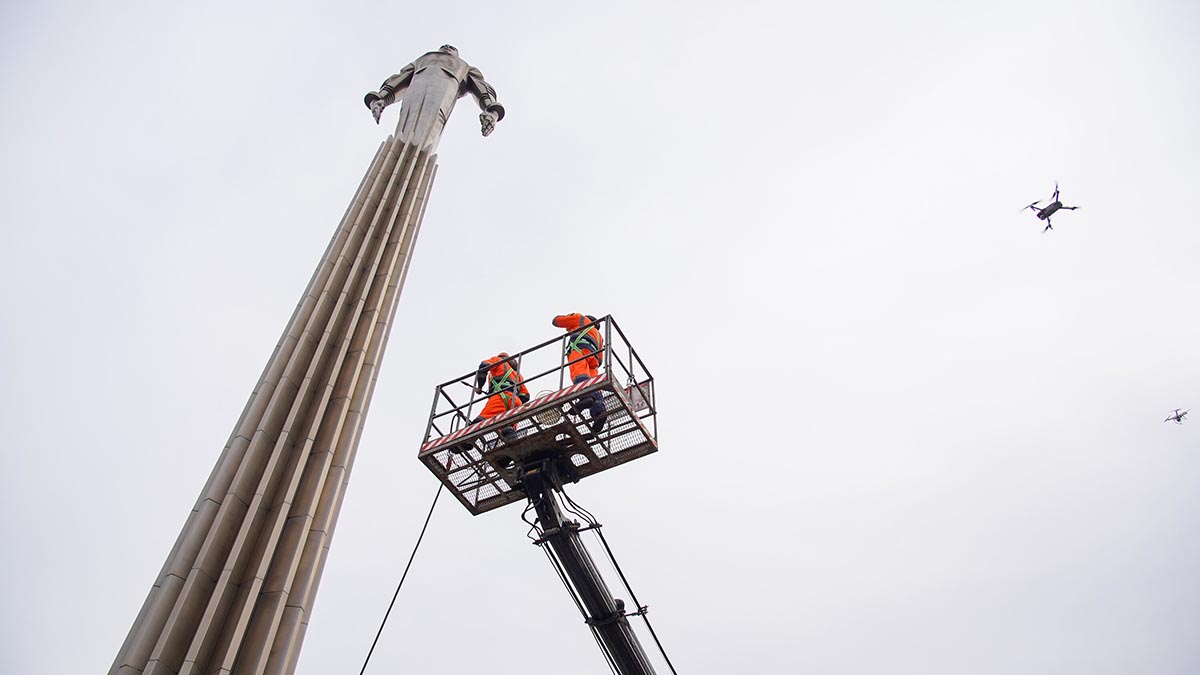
481, 462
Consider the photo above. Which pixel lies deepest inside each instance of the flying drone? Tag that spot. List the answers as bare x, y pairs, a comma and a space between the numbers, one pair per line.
1177, 416
1044, 212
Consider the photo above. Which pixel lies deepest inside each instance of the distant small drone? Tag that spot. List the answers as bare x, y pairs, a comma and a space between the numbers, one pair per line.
1177, 416
1044, 213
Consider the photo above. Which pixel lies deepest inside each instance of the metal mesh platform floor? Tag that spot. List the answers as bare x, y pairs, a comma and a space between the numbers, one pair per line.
479, 463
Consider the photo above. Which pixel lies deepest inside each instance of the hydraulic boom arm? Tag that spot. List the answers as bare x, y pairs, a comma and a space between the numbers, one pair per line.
603, 613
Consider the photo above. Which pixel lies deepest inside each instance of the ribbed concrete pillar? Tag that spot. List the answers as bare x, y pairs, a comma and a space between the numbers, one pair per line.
237, 590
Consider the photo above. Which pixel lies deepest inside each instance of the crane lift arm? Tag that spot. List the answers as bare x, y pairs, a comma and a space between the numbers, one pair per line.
559, 537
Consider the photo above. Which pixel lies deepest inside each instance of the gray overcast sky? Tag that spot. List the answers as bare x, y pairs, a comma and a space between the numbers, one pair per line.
902, 430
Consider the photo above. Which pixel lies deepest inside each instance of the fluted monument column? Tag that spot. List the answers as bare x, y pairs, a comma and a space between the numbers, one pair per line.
237, 590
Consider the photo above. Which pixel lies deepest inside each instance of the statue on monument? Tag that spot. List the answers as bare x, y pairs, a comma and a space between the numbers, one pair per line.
427, 89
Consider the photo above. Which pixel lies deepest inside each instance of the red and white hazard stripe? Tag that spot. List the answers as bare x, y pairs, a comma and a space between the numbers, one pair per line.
540, 401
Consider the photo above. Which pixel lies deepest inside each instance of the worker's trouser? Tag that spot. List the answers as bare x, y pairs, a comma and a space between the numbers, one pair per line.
496, 404
499, 403
584, 365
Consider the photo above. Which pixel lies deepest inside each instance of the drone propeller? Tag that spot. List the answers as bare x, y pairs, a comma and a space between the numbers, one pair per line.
1055, 190
1031, 205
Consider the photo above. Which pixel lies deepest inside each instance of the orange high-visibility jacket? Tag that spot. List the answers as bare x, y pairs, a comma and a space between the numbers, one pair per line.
503, 377
581, 340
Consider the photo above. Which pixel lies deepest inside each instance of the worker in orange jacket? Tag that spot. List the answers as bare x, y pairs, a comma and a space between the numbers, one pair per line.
505, 388
584, 347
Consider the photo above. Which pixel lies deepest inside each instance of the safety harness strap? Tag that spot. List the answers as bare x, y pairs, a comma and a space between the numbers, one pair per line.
502, 384
586, 337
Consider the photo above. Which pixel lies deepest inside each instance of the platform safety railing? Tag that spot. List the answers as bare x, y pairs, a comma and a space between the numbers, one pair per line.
545, 368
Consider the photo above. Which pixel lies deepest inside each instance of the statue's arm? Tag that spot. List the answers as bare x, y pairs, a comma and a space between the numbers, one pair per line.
376, 101
485, 96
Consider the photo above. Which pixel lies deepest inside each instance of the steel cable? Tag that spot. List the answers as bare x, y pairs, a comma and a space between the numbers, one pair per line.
402, 578
633, 597
580, 511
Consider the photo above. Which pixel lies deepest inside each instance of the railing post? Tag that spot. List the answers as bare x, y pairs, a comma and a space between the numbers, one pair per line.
432, 413
608, 343
562, 359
